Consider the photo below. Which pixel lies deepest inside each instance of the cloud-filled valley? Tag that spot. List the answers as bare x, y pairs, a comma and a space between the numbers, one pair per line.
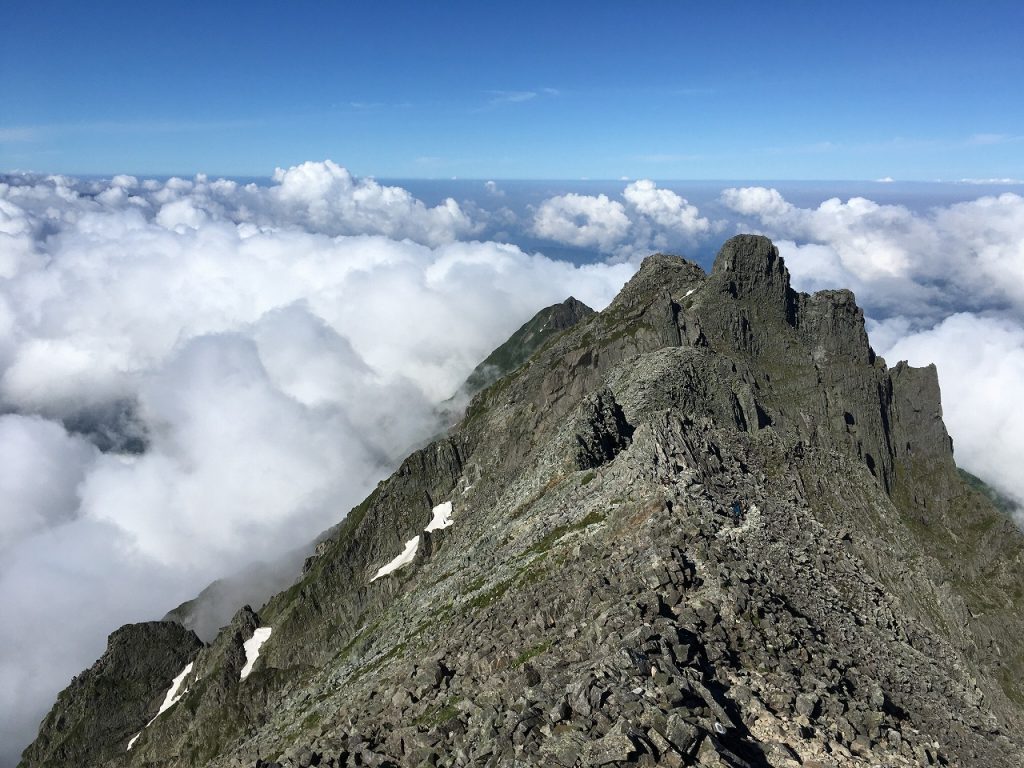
274, 351
198, 374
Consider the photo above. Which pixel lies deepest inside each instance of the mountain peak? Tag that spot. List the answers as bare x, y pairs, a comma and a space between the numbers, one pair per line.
749, 255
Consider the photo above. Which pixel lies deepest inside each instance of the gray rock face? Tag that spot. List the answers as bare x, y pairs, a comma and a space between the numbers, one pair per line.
706, 526
110, 702
603, 430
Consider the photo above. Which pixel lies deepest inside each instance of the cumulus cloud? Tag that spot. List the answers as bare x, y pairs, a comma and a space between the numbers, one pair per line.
251, 361
320, 197
587, 221
650, 218
665, 216
968, 255
43, 467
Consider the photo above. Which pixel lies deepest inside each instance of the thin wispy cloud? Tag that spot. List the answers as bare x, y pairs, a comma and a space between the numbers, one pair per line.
511, 97
666, 157
498, 97
23, 133
1003, 180
903, 143
18, 134
812, 148
376, 106
986, 139
696, 91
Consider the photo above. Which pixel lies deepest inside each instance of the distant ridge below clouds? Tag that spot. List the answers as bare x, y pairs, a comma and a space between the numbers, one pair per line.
276, 346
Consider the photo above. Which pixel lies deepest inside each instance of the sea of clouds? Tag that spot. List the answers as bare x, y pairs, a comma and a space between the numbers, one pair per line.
199, 374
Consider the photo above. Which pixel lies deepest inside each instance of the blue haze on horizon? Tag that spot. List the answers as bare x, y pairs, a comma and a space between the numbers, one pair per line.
913, 90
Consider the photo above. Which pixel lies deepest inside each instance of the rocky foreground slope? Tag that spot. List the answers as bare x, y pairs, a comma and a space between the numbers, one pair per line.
566, 579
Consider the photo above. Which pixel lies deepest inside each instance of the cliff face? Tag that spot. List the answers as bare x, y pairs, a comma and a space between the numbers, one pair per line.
706, 525
108, 703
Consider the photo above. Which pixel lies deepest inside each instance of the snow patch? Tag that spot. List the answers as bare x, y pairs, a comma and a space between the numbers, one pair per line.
442, 517
407, 556
170, 700
252, 649
172, 695
689, 292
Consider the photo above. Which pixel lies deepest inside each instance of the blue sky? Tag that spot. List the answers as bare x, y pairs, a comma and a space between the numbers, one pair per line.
666, 90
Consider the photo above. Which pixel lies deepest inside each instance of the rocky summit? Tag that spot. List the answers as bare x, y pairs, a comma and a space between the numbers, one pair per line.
705, 526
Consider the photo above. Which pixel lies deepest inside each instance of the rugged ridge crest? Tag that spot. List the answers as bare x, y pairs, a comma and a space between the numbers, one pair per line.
707, 525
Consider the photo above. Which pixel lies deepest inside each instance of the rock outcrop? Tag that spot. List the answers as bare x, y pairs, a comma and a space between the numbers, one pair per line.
106, 705
707, 525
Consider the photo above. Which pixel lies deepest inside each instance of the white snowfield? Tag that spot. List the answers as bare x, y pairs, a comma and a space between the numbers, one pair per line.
407, 556
442, 517
252, 649
170, 700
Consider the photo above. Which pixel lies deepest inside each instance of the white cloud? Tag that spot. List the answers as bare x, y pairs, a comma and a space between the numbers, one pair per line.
511, 97
872, 240
965, 255
586, 221
324, 197
319, 197
42, 469
650, 218
757, 201
664, 214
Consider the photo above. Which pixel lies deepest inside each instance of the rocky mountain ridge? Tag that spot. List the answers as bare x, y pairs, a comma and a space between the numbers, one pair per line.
707, 525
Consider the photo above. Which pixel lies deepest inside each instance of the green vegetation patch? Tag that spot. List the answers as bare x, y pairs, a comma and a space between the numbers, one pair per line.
533, 573
1000, 502
553, 536
494, 593
438, 714
356, 639
530, 653
397, 650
